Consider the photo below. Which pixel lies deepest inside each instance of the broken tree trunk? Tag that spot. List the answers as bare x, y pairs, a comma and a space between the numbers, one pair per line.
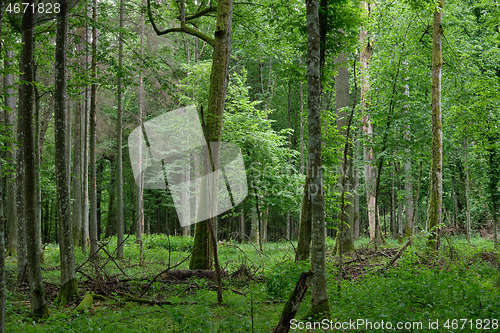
293, 303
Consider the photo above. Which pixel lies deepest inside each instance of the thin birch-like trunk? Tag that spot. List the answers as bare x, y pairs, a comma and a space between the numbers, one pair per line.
119, 163
93, 141
467, 193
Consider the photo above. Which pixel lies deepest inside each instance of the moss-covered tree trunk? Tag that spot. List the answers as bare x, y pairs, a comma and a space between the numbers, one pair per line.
320, 306
436, 191
219, 77
69, 287
38, 306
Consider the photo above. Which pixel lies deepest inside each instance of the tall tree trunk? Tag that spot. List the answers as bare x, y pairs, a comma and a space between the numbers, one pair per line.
302, 125
69, 287
78, 151
92, 141
393, 204
119, 164
242, 224
254, 227
38, 306
320, 306
140, 103
345, 239
111, 222
304, 241
399, 220
409, 228
417, 194
265, 215
38, 162
370, 169
201, 258
85, 238
304, 237
289, 113
435, 204
2, 229
22, 263
356, 197
10, 122
2, 219
493, 165
86, 139
467, 194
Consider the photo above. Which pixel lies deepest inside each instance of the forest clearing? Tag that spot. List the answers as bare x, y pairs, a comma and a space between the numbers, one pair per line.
255, 166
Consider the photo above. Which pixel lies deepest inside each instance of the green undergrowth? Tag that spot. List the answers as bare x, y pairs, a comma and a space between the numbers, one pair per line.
458, 282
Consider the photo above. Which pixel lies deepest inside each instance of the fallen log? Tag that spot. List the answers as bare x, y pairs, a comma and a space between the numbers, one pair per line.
293, 303
178, 274
130, 298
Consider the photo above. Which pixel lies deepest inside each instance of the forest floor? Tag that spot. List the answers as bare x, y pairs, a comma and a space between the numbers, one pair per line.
460, 282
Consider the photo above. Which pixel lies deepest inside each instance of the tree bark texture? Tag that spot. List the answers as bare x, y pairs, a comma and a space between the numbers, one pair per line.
119, 164
436, 193
304, 239
320, 306
467, 194
92, 141
370, 169
219, 78
409, 199
77, 184
38, 306
2, 218
68, 279
140, 106
10, 122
